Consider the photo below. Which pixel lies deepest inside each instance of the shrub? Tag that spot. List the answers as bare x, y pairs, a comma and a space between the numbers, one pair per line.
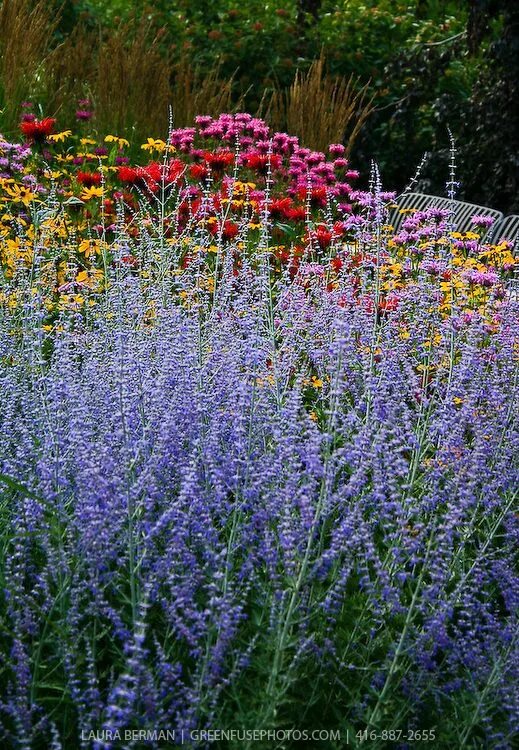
251, 441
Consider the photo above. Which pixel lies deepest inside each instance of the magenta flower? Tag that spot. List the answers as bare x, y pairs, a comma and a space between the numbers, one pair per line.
482, 222
84, 115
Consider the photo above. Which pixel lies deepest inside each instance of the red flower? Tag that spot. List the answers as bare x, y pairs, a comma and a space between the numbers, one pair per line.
38, 130
128, 174
317, 196
282, 253
293, 267
187, 209
322, 236
390, 304
89, 179
109, 206
339, 228
151, 174
260, 162
296, 214
198, 171
216, 200
336, 263
229, 229
218, 160
176, 169
280, 209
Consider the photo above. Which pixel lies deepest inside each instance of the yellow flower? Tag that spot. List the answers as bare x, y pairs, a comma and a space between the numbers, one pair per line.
13, 251
155, 144
57, 137
241, 188
52, 175
71, 300
91, 192
12, 301
20, 194
455, 283
121, 142
89, 278
89, 247
316, 382
87, 142
434, 341
91, 155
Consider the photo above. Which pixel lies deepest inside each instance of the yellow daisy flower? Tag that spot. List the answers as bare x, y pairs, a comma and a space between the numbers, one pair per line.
121, 142
91, 192
60, 137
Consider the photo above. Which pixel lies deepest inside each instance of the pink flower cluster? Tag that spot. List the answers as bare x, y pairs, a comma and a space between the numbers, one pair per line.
303, 172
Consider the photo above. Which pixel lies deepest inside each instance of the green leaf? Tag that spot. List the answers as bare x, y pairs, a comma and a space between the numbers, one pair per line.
21, 488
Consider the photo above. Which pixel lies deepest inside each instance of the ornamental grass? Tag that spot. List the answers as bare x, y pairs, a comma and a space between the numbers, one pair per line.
320, 108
